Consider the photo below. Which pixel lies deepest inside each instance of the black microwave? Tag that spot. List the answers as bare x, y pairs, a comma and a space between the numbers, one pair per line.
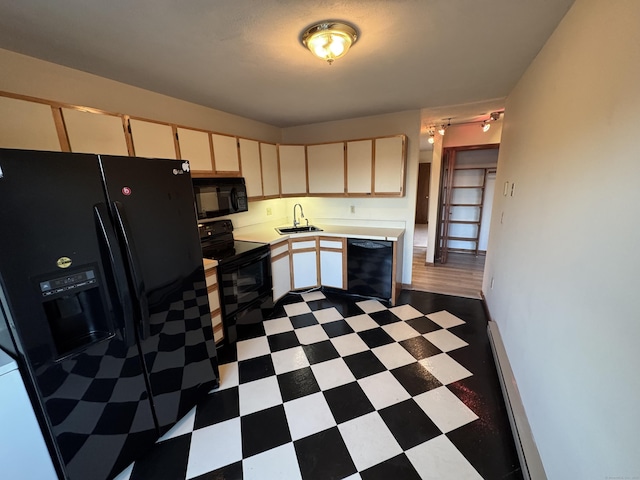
215, 197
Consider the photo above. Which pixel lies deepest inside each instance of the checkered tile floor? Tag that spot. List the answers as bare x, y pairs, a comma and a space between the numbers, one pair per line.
332, 387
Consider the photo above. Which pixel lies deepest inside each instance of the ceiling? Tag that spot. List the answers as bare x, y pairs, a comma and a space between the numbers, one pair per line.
449, 58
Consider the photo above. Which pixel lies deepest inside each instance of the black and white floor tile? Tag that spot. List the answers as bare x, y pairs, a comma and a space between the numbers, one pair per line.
336, 387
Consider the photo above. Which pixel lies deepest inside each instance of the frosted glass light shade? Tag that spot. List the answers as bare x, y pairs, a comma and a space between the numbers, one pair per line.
329, 40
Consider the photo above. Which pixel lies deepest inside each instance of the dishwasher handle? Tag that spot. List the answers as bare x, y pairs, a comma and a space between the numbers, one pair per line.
368, 244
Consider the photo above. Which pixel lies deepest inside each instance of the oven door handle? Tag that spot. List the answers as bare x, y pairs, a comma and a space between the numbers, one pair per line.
243, 262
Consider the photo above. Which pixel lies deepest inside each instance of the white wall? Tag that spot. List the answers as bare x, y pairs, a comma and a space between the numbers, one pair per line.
566, 259
37, 78
392, 212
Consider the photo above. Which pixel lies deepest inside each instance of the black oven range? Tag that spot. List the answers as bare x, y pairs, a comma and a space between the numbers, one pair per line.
244, 277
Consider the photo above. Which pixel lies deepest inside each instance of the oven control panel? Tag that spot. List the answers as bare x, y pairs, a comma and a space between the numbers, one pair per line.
215, 229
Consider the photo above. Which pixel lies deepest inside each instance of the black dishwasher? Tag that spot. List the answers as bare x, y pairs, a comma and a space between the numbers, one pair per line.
369, 267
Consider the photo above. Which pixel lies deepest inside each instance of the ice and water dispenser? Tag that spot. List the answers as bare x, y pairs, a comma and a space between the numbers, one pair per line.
75, 309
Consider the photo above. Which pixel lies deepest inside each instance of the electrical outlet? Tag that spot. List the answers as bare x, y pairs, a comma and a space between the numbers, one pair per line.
269, 212
352, 209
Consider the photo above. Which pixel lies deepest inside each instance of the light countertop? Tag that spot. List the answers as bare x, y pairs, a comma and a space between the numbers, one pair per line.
266, 233
209, 263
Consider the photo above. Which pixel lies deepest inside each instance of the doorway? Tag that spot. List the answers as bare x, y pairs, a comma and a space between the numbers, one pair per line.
422, 200
466, 197
422, 206
469, 212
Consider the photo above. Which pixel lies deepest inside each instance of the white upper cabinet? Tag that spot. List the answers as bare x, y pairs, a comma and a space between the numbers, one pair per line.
359, 166
195, 147
389, 162
270, 173
293, 170
27, 125
326, 168
225, 154
90, 132
152, 140
251, 169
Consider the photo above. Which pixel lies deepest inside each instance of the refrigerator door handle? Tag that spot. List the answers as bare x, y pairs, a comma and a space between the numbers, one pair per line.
110, 242
134, 269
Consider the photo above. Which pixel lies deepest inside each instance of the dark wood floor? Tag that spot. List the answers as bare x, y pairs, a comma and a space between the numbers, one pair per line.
460, 276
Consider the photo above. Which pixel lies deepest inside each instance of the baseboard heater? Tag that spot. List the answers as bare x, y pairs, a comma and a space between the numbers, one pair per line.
532, 468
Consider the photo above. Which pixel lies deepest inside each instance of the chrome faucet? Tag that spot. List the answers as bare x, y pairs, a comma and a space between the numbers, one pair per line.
296, 222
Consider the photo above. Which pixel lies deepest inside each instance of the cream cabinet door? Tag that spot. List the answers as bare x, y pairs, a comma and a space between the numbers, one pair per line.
293, 170
333, 253
359, 166
225, 154
195, 147
304, 258
27, 125
389, 161
305, 270
95, 132
280, 269
213, 294
270, 173
152, 140
326, 168
250, 165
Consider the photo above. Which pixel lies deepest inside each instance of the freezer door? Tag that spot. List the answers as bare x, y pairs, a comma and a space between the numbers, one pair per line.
153, 203
65, 315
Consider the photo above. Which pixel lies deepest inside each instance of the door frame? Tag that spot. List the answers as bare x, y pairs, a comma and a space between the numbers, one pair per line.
444, 195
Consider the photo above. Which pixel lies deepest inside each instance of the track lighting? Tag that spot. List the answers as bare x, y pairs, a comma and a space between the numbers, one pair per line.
443, 128
484, 124
493, 116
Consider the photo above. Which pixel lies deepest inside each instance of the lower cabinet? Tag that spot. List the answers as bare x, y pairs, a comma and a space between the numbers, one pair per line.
211, 276
333, 271
309, 262
304, 259
280, 269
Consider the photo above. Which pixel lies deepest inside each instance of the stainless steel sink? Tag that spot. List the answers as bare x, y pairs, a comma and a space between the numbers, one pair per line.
287, 230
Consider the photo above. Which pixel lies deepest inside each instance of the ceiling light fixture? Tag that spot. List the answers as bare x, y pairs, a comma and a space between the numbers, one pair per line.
443, 128
493, 116
431, 138
329, 40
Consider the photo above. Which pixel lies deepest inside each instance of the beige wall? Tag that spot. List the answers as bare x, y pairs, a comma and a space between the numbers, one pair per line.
368, 211
36, 78
566, 258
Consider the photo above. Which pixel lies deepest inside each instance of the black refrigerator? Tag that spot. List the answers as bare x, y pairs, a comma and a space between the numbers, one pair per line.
103, 301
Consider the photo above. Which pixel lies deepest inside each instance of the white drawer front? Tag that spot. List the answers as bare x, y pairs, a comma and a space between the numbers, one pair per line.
301, 245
